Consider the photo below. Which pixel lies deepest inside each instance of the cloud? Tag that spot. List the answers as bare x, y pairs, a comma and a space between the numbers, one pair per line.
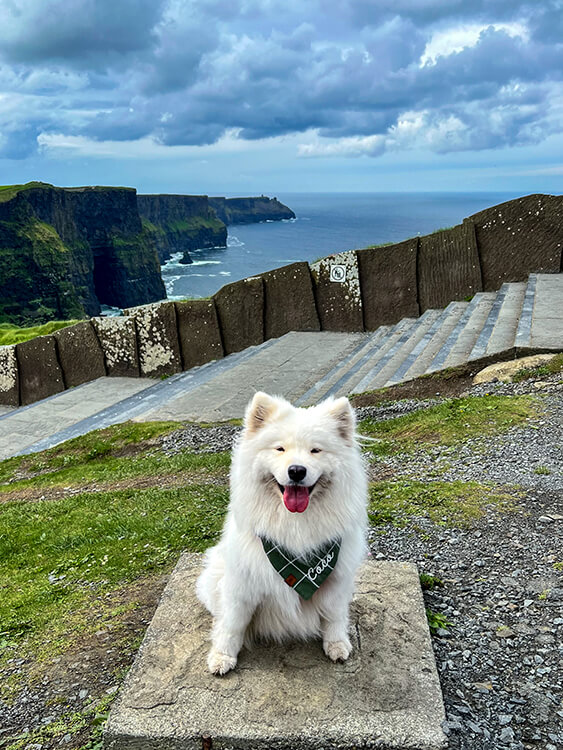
373, 145
354, 77
82, 32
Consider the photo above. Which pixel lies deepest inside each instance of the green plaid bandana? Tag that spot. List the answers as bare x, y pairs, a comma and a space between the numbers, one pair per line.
305, 573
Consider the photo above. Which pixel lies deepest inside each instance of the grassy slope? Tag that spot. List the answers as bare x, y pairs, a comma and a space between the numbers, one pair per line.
85, 520
11, 334
447, 423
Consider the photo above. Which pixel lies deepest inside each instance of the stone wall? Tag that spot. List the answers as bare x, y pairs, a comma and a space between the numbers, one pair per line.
353, 291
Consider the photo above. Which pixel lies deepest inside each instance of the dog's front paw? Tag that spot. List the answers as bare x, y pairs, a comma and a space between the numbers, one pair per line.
219, 663
337, 650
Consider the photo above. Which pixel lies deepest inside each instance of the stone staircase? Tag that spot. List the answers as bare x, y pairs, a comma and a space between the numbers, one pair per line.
305, 367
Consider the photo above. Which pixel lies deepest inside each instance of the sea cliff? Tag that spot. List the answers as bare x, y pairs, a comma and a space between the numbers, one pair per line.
180, 223
66, 251
250, 210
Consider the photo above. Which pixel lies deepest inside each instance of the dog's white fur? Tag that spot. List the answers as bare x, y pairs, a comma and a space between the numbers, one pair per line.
246, 596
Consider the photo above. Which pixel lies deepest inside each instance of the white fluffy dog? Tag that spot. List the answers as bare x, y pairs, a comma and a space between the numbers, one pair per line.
295, 531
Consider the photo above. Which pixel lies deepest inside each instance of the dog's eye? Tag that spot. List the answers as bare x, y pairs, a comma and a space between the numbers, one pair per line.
315, 450
280, 449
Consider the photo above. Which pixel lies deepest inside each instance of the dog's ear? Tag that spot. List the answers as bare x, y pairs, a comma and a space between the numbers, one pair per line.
259, 411
343, 414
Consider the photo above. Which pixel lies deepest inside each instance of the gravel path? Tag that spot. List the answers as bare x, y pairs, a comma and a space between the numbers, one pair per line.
500, 661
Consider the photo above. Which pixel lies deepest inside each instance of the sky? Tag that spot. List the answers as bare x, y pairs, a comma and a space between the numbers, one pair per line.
243, 97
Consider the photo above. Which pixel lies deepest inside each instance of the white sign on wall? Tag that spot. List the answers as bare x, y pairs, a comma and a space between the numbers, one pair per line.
338, 273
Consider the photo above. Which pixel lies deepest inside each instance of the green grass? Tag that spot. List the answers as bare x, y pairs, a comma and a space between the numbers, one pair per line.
429, 583
105, 455
57, 552
448, 423
12, 334
7, 192
437, 621
54, 553
445, 503
552, 367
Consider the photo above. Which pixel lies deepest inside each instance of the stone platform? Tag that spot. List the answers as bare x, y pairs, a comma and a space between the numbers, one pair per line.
387, 695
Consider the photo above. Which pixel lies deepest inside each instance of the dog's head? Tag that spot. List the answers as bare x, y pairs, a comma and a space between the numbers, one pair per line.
295, 453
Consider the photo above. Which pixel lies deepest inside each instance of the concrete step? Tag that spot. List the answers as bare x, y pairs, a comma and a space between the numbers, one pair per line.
382, 340
23, 428
367, 379
396, 356
303, 367
499, 331
345, 368
460, 342
435, 338
547, 316
289, 368
398, 373
524, 330
286, 696
398, 333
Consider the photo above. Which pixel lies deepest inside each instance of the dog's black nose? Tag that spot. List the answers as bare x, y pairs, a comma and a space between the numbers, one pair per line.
297, 473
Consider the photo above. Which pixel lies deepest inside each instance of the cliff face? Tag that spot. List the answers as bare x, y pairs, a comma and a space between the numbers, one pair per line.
250, 210
65, 251
180, 223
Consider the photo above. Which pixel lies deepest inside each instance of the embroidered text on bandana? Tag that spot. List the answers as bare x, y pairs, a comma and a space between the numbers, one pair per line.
304, 573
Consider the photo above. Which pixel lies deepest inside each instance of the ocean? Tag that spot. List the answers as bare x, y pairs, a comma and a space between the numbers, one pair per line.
326, 223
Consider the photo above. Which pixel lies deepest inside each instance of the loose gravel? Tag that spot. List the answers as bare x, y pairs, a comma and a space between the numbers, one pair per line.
500, 661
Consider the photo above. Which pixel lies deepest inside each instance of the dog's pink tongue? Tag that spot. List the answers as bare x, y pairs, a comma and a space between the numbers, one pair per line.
296, 498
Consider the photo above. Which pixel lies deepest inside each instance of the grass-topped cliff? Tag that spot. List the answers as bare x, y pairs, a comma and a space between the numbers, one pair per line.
180, 223
250, 210
65, 251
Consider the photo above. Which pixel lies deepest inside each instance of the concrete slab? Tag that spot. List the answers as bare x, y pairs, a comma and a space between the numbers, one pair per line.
286, 697
288, 368
547, 318
504, 332
24, 427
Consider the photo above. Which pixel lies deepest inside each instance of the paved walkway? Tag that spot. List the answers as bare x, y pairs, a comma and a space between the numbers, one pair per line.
21, 428
304, 367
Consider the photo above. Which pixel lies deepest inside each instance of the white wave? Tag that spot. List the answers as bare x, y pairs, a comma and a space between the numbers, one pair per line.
224, 273
107, 311
233, 241
169, 282
206, 263
173, 262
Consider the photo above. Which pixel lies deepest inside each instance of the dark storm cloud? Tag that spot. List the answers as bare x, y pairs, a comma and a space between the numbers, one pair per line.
185, 72
81, 32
